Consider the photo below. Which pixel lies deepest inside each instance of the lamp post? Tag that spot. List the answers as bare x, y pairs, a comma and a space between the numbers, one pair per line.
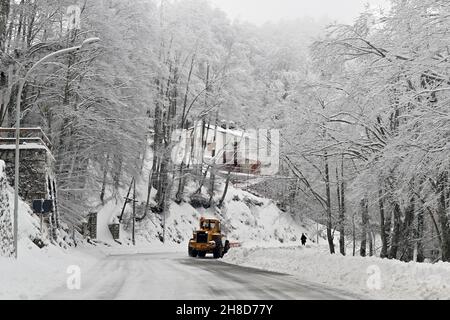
19, 96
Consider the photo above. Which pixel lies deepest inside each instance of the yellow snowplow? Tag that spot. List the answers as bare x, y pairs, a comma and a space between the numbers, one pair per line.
208, 239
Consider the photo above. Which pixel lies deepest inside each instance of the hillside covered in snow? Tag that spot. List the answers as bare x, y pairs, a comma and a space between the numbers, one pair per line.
246, 219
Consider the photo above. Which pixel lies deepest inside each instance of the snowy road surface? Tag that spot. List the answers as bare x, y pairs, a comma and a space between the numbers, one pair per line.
176, 276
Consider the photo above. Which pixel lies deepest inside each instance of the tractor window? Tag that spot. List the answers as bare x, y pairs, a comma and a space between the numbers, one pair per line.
208, 225
205, 225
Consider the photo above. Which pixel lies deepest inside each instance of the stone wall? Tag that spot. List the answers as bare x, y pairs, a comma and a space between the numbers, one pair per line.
36, 165
6, 227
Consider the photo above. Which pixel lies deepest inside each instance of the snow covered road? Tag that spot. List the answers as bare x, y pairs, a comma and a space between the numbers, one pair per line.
176, 276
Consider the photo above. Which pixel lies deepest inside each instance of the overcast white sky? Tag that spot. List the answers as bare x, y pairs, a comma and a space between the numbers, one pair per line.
260, 11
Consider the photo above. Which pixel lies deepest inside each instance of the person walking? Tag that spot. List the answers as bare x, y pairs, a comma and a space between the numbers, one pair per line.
303, 239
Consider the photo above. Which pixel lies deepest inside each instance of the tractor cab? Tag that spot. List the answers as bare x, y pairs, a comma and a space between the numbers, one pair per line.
211, 225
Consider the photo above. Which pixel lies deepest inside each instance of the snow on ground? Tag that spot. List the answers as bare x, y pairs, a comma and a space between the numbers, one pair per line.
246, 219
371, 276
254, 221
269, 239
38, 271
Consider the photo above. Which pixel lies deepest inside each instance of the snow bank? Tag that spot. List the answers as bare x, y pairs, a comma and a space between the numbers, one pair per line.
253, 220
369, 277
38, 271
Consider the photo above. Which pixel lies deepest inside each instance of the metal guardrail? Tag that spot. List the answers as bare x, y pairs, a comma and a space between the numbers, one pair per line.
27, 135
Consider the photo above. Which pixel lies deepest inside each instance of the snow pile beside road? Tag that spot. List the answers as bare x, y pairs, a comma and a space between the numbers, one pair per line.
38, 271
252, 220
369, 277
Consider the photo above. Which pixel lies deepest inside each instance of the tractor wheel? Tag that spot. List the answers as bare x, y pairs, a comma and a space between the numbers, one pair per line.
192, 252
226, 248
218, 250
202, 254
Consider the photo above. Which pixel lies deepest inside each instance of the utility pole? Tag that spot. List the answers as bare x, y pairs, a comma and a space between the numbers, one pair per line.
164, 219
134, 212
73, 236
127, 199
42, 221
317, 233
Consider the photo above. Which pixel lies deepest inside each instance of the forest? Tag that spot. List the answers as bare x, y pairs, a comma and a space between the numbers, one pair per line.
362, 109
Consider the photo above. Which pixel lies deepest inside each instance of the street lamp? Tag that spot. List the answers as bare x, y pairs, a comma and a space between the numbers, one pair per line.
19, 95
